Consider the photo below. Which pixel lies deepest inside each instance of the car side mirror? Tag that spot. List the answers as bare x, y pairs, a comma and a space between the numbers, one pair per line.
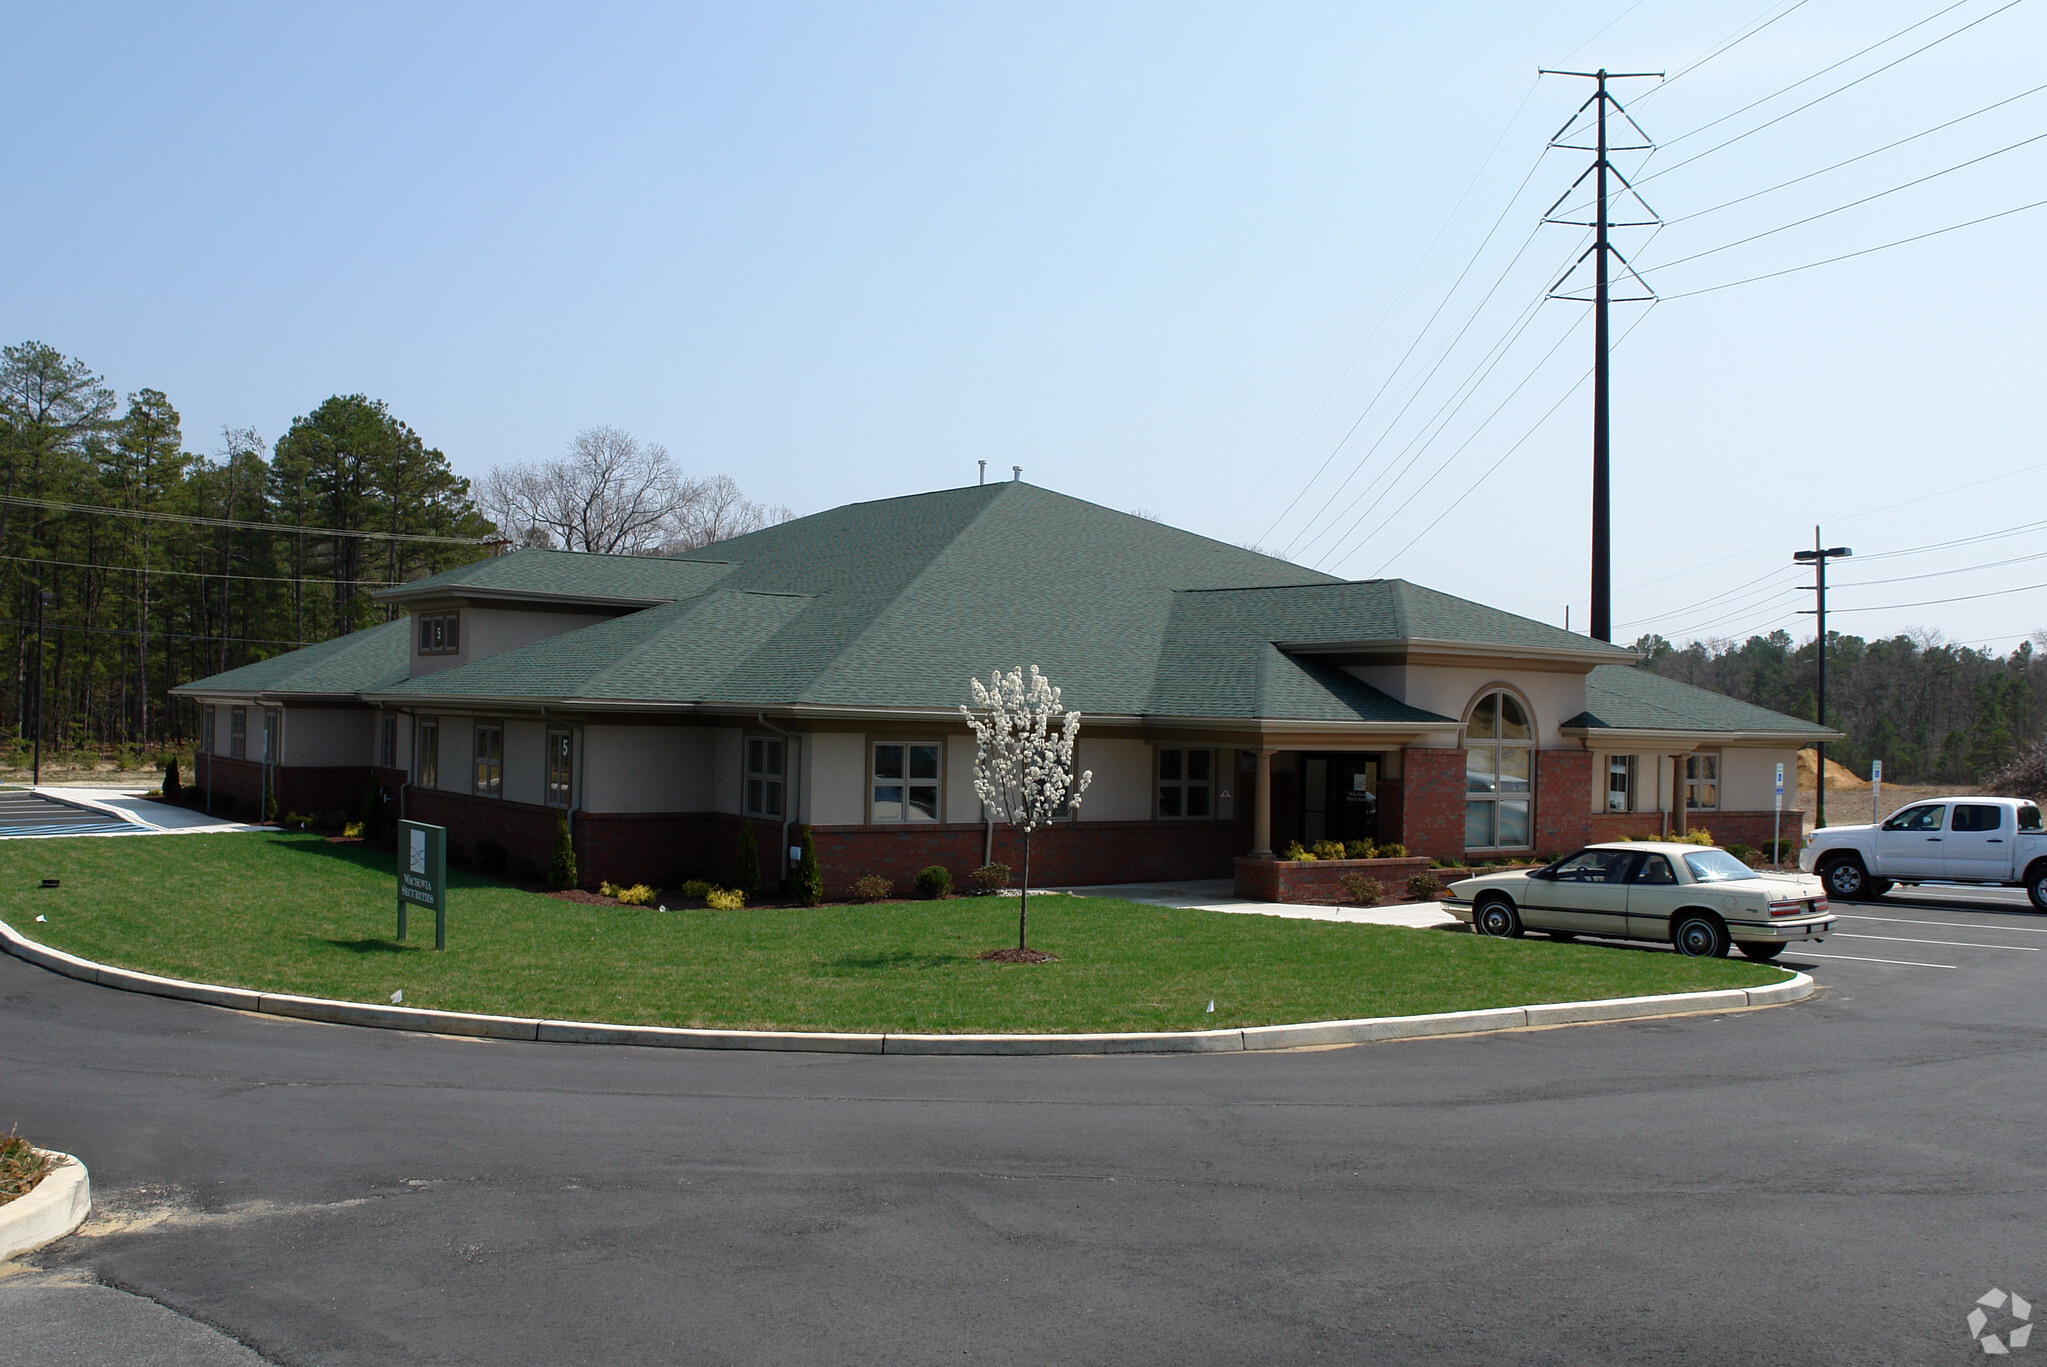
1546, 875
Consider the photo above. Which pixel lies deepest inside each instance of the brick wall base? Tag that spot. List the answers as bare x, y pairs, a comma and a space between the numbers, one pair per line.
1320, 883
313, 790
1432, 803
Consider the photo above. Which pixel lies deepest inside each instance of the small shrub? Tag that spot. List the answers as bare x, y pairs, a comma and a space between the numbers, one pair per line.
1366, 892
718, 899
934, 882
1328, 849
1423, 888
561, 865
270, 810
988, 879
1441, 863
746, 876
1295, 852
294, 821
638, 895
22, 1165
696, 889
491, 857
170, 779
1698, 835
871, 887
1747, 854
1392, 849
809, 874
1361, 849
1783, 851
351, 830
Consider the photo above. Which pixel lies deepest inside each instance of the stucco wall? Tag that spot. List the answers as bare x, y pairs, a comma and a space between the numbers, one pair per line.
961, 802
323, 735
458, 754
835, 771
726, 759
1555, 697
1121, 787
525, 761
487, 631
1748, 778
646, 768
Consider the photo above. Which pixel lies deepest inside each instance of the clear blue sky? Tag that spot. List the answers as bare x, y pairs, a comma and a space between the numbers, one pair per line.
844, 252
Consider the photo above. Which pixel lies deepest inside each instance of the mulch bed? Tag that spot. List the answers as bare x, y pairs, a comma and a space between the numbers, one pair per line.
1019, 956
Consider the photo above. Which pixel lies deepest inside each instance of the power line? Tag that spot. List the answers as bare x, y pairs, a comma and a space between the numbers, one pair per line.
1860, 156
153, 516
1826, 213
1941, 574
159, 635
2019, 530
1399, 294
1726, 45
1744, 610
1704, 602
196, 574
1850, 256
1936, 602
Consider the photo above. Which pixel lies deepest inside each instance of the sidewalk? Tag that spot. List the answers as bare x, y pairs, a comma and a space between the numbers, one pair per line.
151, 816
1220, 894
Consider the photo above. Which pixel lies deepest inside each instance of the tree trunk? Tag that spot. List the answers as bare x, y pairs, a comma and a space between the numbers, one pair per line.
1023, 903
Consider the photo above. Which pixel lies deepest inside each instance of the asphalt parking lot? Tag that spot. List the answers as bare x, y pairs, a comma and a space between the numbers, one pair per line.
1836, 1181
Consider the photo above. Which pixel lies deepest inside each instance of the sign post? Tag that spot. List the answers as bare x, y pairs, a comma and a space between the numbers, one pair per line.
1876, 792
1777, 825
423, 874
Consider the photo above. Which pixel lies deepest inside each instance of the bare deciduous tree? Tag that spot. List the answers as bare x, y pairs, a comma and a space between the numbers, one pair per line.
614, 494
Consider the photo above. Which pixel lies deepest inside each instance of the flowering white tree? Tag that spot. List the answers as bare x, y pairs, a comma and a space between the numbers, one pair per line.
1023, 766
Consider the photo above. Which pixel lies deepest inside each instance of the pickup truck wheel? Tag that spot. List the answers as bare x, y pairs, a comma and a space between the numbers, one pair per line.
1699, 935
1845, 878
1496, 917
2036, 886
1761, 953
1879, 886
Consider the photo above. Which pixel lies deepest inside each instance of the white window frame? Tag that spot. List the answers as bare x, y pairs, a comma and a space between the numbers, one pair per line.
1182, 786
1627, 768
238, 732
559, 777
487, 774
426, 746
1497, 795
387, 751
1695, 779
764, 782
907, 783
440, 633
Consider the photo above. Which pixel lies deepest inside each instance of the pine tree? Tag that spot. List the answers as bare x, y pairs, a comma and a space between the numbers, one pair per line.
809, 877
747, 877
561, 870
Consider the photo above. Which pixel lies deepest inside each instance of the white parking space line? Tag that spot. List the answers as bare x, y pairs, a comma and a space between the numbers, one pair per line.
1958, 944
1865, 959
1944, 925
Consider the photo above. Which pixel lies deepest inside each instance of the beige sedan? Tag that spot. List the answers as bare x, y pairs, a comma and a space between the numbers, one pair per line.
1698, 899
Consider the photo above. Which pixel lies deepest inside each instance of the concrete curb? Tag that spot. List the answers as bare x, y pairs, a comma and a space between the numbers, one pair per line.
1247, 1038
58, 1205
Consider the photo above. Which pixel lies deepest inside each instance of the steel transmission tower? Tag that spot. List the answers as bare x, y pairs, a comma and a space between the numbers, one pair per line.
1600, 250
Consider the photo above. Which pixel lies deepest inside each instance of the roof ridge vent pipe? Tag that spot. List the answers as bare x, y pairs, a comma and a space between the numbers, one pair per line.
984, 472
1015, 473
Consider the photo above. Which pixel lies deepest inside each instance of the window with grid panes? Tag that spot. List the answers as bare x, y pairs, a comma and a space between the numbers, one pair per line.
765, 757
440, 633
238, 732
206, 718
1702, 781
389, 757
1186, 783
429, 754
905, 783
490, 760
1620, 783
1499, 775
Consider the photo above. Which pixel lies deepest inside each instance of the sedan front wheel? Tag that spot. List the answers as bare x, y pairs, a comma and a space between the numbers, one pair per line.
1498, 919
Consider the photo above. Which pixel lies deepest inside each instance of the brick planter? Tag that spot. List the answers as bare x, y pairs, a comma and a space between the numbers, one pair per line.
1320, 883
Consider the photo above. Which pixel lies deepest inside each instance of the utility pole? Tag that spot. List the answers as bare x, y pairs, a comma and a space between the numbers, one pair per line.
1600, 250
1818, 558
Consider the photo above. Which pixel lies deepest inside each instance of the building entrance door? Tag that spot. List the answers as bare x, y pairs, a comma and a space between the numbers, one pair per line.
1339, 797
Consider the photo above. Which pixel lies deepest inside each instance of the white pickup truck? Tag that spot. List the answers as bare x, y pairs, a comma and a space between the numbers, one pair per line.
1989, 840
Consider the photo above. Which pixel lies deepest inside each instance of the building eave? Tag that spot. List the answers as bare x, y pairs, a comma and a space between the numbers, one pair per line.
1660, 739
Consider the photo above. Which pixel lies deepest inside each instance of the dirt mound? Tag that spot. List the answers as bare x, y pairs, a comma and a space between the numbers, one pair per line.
2025, 776
1840, 778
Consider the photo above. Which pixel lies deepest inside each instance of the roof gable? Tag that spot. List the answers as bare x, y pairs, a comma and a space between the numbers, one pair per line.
1625, 698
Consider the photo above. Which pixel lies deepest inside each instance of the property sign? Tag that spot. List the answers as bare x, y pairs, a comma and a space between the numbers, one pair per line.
423, 875
1780, 785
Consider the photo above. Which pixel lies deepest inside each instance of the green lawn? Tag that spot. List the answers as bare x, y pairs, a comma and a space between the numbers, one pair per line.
294, 913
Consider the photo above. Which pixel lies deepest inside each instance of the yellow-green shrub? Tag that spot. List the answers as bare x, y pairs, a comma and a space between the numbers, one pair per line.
718, 899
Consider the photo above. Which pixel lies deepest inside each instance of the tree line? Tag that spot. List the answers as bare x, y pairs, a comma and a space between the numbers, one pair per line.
143, 564
1933, 712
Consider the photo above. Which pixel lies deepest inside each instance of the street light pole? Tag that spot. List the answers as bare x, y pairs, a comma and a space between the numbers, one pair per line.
1818, 557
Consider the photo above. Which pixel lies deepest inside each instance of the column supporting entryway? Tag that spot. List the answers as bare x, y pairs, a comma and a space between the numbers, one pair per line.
1261, 808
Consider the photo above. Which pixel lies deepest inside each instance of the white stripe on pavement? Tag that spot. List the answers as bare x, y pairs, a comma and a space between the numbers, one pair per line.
1944, 925
1958, 944
1865, 959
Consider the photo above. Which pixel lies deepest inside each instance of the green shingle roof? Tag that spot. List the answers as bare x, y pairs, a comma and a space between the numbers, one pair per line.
529, 571
1624, 698
896, 603
364, 661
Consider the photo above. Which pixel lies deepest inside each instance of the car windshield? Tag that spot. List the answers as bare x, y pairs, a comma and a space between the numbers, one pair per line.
1717, 866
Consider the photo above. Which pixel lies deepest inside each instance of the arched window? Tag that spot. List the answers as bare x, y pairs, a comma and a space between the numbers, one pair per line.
1499, 774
